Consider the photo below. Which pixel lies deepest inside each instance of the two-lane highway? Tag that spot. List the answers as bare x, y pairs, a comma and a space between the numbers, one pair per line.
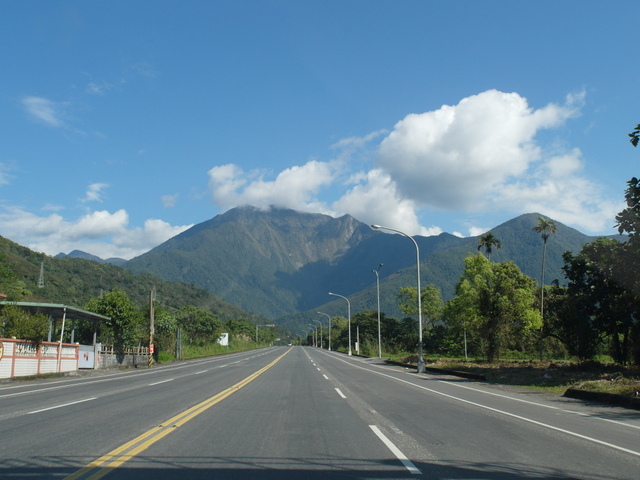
302, 412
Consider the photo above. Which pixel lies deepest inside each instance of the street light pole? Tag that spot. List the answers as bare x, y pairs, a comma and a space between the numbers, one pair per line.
349, 316
420, 357
320, 323
329, 317
378, 290
315, 334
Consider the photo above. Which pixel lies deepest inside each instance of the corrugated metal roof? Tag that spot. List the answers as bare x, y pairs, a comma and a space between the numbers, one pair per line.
57, 310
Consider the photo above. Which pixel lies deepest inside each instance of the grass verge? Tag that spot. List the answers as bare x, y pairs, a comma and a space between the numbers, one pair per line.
554, 377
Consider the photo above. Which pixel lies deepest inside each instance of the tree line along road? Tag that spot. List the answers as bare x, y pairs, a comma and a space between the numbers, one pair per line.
303, 412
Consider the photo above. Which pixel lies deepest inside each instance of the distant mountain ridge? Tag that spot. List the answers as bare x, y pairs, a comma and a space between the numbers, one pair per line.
87, 256
279, 263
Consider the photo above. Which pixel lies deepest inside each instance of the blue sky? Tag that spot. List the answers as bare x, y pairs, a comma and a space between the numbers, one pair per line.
122, 123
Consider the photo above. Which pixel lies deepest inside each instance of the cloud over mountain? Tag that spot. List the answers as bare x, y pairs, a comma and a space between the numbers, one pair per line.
481, 154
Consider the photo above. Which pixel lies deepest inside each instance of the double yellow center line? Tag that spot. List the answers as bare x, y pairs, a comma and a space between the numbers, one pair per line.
103, 465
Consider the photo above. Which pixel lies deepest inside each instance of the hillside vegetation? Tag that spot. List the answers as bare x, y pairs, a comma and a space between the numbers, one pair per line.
281, 260
278, 263
75, 281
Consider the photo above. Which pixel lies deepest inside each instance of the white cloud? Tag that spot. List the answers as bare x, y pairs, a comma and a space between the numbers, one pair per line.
475, 231
376, 200
556, 189
143, 69
100, 233
16, 223
169, 201
481, 155
44, 110
295, 187
354, 143
4, 175
49, 207
153, 233
94, 192
98, 224
98, 88
224, 182
358, 150
452, 158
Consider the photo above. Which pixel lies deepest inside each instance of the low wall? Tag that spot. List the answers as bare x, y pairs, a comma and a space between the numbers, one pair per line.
19, 358
107, 357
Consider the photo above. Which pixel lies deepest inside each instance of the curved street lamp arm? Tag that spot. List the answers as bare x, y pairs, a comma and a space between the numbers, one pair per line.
420, 357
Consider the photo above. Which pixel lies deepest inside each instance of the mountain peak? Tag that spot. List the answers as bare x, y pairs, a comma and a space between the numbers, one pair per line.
279, 261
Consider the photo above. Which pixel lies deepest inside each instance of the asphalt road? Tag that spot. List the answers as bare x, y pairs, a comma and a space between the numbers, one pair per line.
305, 413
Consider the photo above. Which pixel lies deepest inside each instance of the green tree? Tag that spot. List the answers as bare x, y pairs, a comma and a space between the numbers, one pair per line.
200, 326
569, 319
241, 329
126, 325
488, 241
455, 317
635, 136
367, 324
496, 301
10, 284
545, 227
431, 303
438, 341
267, 335
339, 333
17, 322
165, 326
599, 277
389, 331
629, 223
407, 334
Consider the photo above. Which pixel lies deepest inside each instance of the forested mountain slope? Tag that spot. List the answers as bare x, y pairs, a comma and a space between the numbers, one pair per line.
281, 262
74, 281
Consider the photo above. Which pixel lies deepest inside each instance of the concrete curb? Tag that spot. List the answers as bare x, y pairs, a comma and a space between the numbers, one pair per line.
620, 400
442, 371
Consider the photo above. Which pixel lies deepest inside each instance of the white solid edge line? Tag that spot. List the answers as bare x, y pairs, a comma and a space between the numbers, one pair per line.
503, 412
396, 451
542, 405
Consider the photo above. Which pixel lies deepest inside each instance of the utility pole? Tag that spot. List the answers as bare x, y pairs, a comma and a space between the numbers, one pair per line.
152, 297
179, 344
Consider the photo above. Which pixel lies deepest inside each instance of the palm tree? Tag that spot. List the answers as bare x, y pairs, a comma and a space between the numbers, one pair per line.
488, 241
545, 228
